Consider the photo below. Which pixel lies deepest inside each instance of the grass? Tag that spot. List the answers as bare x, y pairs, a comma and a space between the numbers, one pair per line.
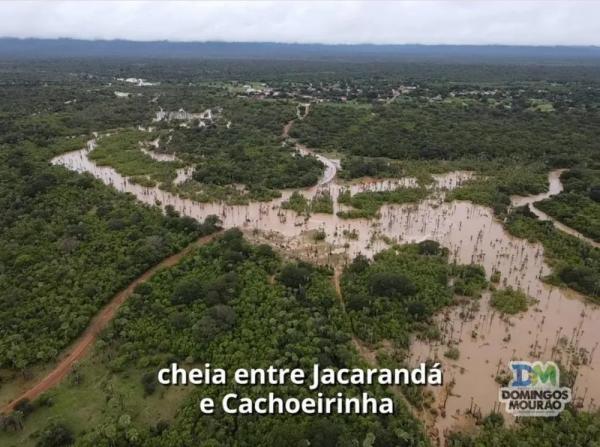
99, 400
68, 144
14, 383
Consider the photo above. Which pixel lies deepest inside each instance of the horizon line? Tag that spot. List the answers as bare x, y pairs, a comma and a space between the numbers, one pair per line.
345, 44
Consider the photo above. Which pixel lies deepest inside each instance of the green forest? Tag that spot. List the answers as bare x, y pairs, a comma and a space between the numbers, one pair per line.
69, 242
233, 305
398, 293
451, 129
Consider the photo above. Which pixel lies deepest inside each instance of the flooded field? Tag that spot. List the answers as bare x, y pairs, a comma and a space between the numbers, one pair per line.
560, 326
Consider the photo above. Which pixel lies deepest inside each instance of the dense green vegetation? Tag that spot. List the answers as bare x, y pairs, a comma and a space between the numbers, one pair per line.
221, 306
509, 301
321, 202
367, 203
402, 288
495, 186
446, 127
68, 244
241, 145
296, 202
578, 205
576, 211
573, 429
356, 167
469, 280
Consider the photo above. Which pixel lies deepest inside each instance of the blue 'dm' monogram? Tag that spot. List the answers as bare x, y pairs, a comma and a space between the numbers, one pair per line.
534, 374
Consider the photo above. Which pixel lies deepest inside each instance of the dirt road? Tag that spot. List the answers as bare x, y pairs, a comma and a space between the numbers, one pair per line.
83, 344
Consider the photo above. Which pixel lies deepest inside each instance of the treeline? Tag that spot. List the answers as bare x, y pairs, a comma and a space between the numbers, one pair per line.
184, 71
321, 202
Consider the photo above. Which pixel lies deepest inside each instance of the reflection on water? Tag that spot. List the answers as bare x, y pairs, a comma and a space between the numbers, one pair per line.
485, 340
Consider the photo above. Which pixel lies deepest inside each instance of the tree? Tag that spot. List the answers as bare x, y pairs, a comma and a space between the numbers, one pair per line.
149, 383
429, 247
391, 284
187, 290
56, 434
359, 264
595, 193
294, 276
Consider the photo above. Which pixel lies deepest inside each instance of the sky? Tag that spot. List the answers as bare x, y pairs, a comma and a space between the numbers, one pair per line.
380, 22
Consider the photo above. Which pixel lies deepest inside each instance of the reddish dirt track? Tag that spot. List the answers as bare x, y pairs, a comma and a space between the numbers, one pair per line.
83, 344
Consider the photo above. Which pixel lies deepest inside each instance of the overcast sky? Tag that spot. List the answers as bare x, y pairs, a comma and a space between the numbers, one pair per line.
427, 22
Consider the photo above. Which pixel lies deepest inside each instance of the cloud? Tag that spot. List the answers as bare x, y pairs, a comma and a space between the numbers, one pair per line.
427, 22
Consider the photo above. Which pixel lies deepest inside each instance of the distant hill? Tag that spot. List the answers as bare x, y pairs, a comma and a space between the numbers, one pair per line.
11, 48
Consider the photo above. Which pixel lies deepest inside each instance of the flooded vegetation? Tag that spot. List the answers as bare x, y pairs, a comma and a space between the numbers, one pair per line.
560, 326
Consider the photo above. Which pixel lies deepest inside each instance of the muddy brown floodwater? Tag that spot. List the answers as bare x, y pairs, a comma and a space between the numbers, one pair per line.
561, 326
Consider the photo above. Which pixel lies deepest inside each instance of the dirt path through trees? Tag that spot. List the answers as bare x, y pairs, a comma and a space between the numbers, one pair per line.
83, 344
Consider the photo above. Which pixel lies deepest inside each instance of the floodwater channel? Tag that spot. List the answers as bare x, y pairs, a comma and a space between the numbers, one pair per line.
560, 326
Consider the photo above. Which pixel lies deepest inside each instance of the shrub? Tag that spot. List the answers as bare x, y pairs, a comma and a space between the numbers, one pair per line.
509, 301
